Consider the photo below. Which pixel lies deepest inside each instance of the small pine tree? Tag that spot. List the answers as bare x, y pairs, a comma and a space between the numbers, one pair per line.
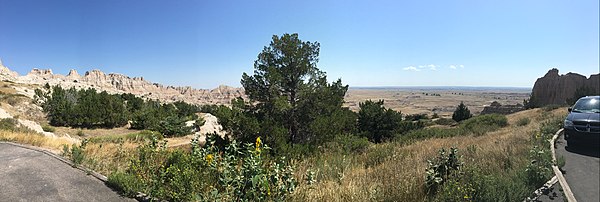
461, 113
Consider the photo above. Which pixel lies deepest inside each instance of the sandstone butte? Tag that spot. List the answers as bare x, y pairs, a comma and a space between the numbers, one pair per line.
119, 83
556, 89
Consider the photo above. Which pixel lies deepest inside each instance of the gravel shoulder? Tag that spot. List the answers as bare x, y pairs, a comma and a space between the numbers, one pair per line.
29, 175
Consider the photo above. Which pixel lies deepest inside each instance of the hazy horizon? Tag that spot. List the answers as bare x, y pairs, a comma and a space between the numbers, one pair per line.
369, 44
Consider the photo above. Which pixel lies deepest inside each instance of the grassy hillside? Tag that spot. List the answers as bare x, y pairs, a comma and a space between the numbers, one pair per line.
496, 164
396, 172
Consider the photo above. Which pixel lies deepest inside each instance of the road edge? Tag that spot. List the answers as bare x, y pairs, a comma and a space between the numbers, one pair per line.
96, 175
558, 174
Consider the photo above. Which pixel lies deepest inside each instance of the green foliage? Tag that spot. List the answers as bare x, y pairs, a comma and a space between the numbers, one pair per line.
239, 121
142, 136
290, 100
75, 153
127, 184
416, 117
89, 109
514, 183
441, 169
523, 121
347, 144
284, 74
173, 126
477, 125
540, 168
462, 112
82, 108
207, 173
48, 128
551, 126
474, 185
376, 122
11, 124
199, 123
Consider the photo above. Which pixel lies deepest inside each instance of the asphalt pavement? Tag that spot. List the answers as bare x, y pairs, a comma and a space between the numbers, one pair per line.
29, 175
582, 169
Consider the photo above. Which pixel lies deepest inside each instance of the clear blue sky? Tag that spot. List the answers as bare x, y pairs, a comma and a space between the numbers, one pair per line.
366, 43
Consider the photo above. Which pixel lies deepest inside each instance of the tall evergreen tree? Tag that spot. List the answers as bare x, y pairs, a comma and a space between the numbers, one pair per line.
287, 89
461, 113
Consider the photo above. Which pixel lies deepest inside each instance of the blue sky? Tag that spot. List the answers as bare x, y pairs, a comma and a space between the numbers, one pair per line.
366, 43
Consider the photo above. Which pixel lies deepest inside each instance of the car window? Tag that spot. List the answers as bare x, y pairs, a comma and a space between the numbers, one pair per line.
587, 105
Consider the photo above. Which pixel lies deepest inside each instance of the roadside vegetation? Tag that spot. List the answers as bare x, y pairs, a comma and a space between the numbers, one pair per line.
12, 131
292, 140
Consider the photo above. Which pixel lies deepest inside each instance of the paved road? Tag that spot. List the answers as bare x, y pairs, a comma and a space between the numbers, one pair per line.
28, 175
582, 170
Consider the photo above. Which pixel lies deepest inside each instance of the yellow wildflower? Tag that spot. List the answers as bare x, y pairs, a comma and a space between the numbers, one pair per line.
258, 143
209, 158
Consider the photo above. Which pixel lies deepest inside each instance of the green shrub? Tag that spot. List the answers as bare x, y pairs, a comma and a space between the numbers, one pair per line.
75, 153
9, 124
523, 121
48, 128
445, 121
441, 169
347, 144
126, 184
80, 133
481, 124
551, 126
474, 185
207, 173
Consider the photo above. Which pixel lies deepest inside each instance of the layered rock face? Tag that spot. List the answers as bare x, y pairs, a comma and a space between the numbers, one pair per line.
497, 108
118, 83
7, 74
556, 89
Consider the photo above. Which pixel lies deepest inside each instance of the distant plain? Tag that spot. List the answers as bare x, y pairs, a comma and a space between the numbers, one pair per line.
441, 100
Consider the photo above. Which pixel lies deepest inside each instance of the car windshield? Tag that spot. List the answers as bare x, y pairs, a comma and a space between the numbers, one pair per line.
587, 105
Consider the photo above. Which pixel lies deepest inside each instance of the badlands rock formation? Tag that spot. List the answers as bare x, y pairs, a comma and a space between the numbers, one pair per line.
118, 83
556, 89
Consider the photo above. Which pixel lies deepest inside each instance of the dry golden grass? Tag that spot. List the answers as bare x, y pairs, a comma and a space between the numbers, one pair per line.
400, 174
94, 132
53, 144
106, 158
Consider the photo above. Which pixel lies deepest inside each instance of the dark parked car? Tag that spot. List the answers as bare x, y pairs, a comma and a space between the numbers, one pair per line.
582, 125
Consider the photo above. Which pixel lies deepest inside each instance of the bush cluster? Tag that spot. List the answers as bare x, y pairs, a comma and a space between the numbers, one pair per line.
89, 109
207, 173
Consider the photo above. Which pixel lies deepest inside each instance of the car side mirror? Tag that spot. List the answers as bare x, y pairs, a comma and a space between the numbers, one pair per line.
570, 109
